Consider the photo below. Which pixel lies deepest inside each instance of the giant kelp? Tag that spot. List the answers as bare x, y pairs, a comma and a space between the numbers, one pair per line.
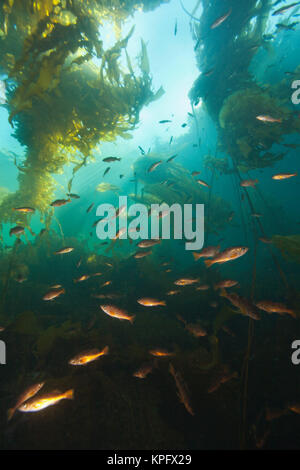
289, 246
224, 53
228, 89
65, 92
247, 140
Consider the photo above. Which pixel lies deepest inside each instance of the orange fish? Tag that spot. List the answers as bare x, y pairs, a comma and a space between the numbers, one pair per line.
283, 176
160, 353
46, 400
266, 118
25, 210
67, 249
227, 255
29, 393
143, 371
274, 307
88, 356
185, 281
147, 302
53, 293
117, 312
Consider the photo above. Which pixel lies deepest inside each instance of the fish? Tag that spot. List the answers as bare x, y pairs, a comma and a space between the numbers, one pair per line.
154, 166
173, 292
104, 187
144, 370
29, 393
90, 208
117, 312
267, 118
287, 27
245, 306
17, 230
88, 356
142, 150
106, 171
221, 378
73, 196
25, 210
195, 173
274, 307
175, 28
194, 328
283, 176
84, 277
148, 243
184, 125
149, 302
160, 353
203, 183
225, 284
46, 400
227, 255
186, 281
60, 202
282, 10
142, 254
111, 159
65, 250
203, 287
164, 121
54, 293
107, 283
182, 390
120, 232
208, 252
171, 158
248, 183
265, 240
221, 19
295, 407
171, 140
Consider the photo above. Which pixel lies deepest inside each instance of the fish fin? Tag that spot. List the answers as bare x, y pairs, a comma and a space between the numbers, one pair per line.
132, 319
10, 413
106, 350
196, 255
69, 394
208, 262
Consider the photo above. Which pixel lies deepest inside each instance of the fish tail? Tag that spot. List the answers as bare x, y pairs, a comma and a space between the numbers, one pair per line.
10, 413
196, 255
208, 262
69, 394
131, 319
105, 350
163, 302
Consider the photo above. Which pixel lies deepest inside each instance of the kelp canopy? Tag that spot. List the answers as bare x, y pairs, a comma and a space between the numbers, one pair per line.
61, 102
229, 91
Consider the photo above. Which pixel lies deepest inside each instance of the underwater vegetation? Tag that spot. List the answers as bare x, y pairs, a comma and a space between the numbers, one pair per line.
289, 246
231, 95
47, 50
148, 344
245, 139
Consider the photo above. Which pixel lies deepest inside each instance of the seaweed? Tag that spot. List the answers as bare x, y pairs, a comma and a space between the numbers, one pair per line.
54, 51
